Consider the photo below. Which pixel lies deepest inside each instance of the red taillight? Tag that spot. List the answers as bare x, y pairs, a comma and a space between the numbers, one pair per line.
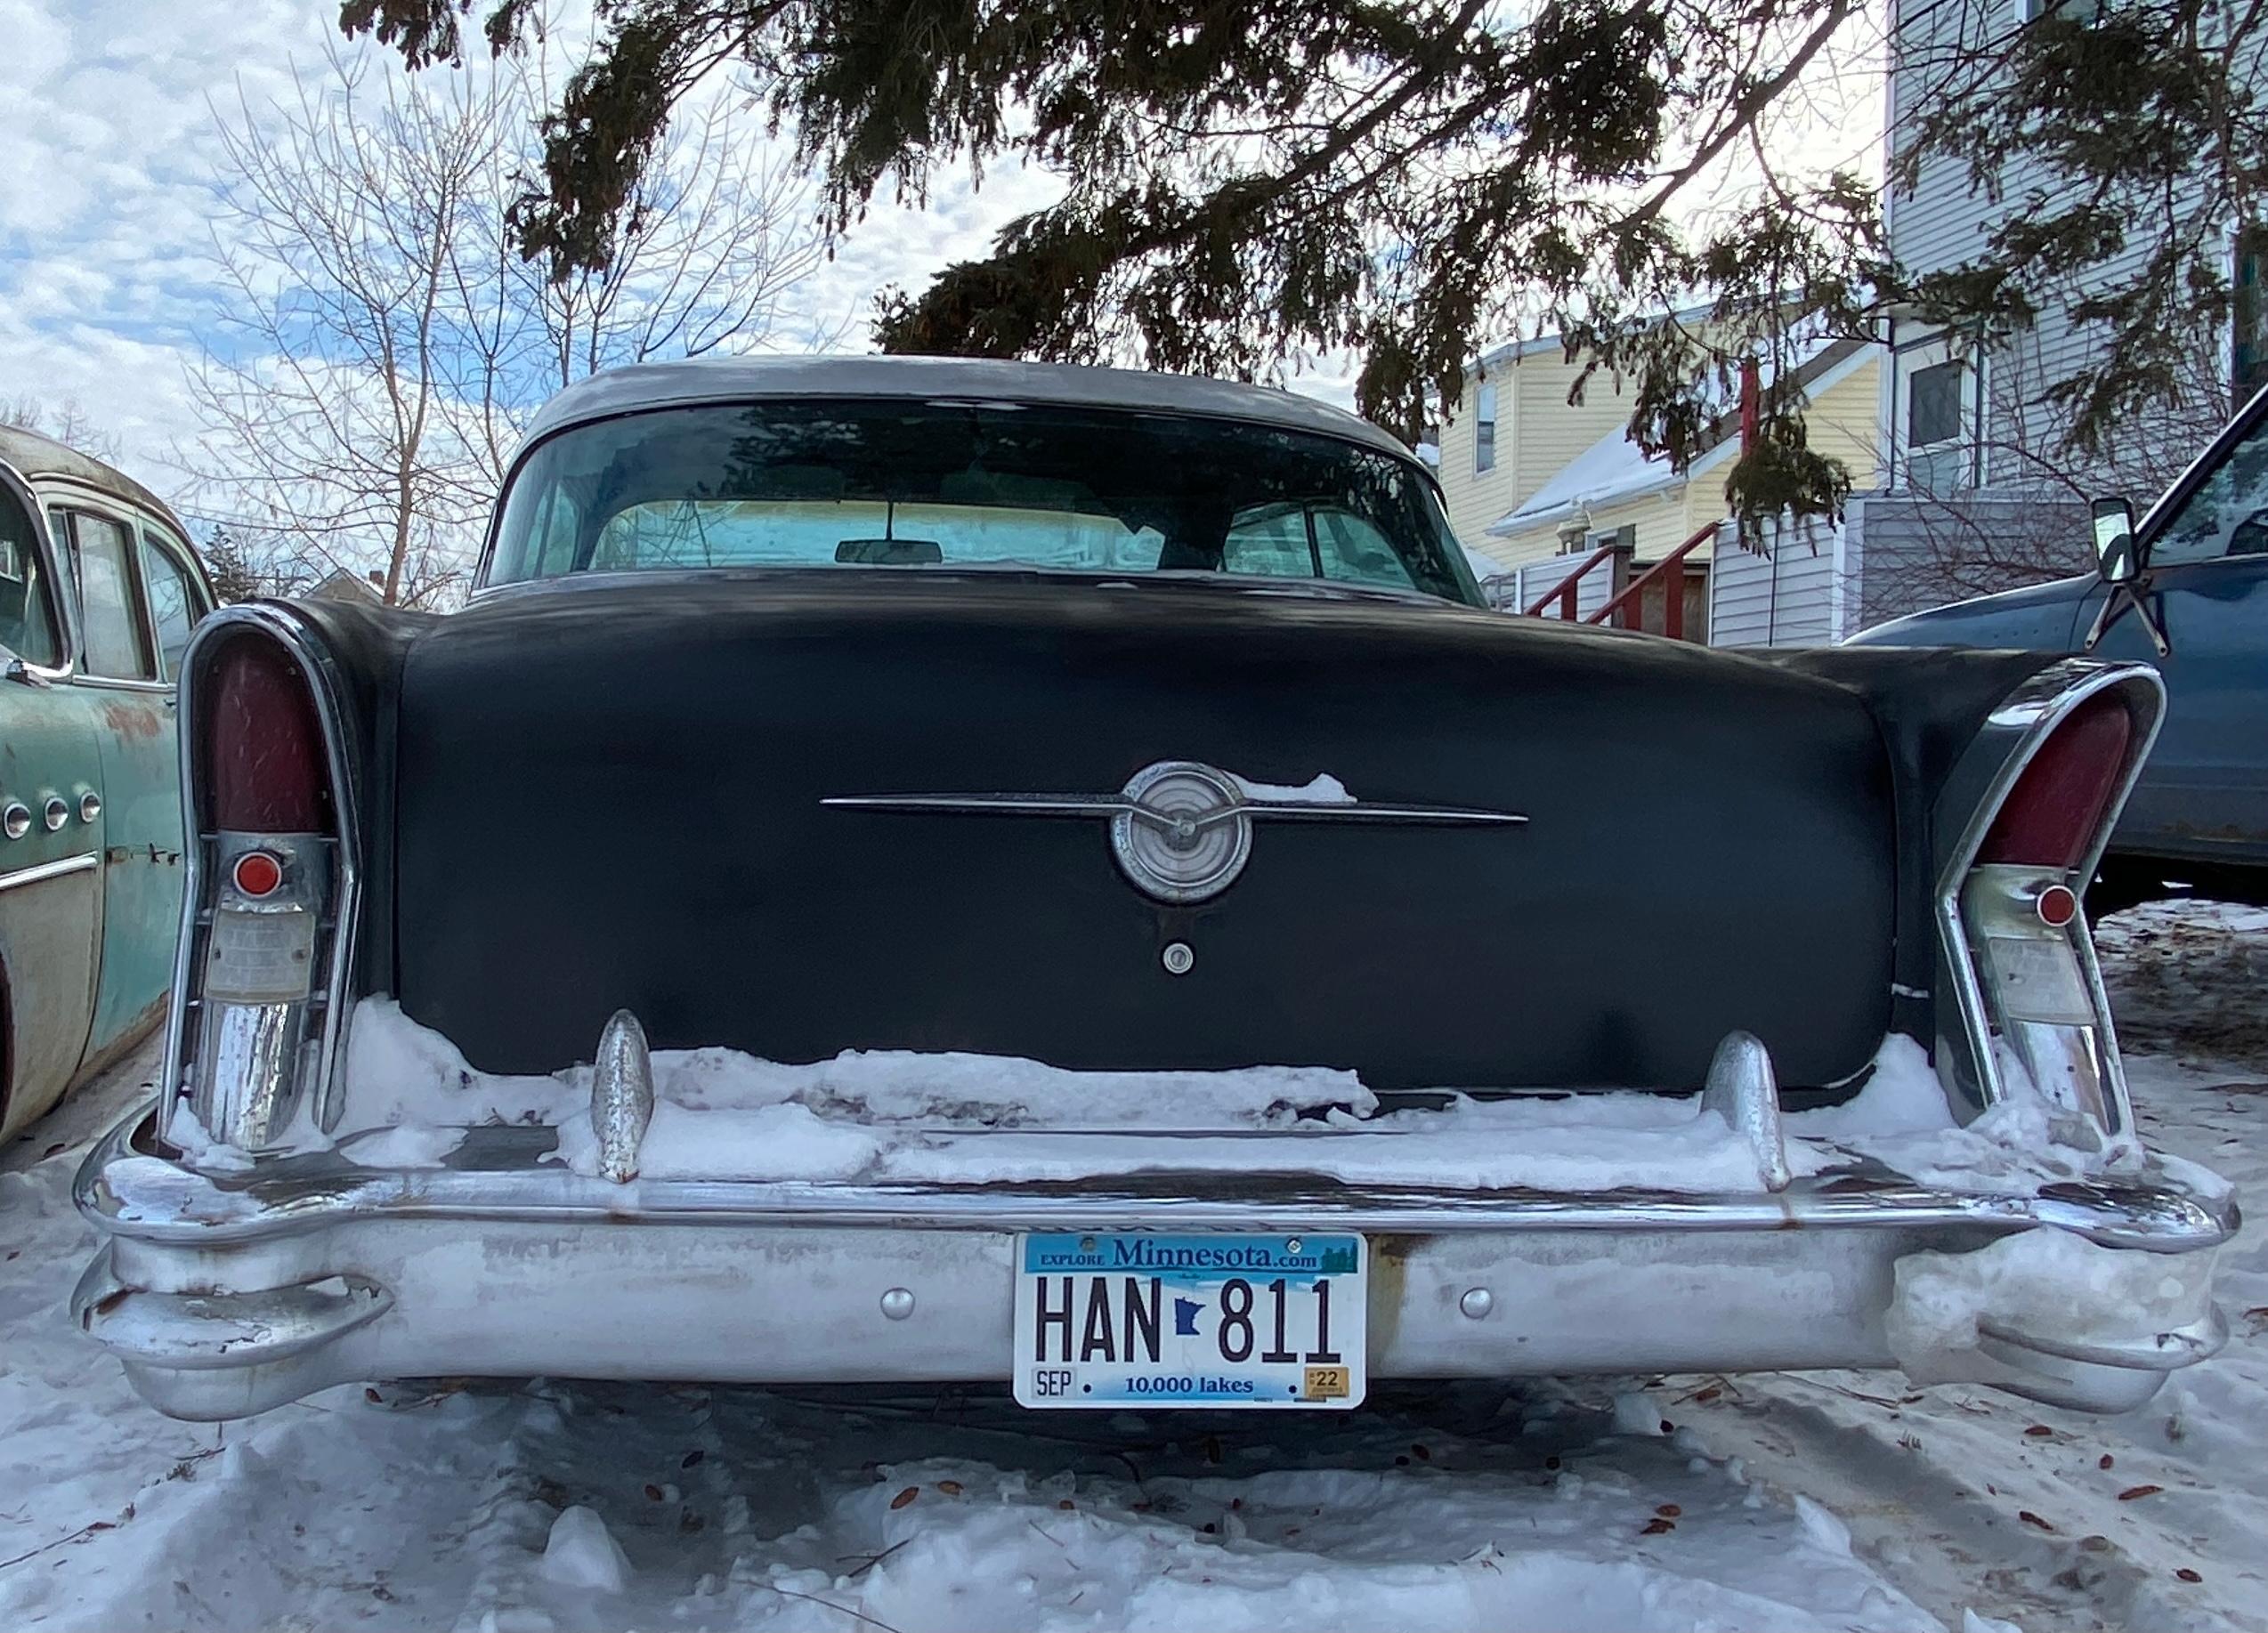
2052, 816
257, 873
264, 770
2056, 906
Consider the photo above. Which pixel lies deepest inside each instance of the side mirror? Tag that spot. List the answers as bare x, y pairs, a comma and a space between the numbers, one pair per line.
2114, 541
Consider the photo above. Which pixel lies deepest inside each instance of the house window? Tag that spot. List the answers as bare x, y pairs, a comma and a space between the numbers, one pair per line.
1484, 430
2248, 339
1624, 537
2070, 10
1937, 457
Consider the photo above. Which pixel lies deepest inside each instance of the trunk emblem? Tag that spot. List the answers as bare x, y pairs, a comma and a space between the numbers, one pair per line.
1182, 831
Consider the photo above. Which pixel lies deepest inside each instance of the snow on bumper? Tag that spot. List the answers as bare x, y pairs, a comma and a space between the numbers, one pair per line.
226, 1294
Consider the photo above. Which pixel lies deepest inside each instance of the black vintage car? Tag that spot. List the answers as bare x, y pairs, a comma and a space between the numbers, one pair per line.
937, 870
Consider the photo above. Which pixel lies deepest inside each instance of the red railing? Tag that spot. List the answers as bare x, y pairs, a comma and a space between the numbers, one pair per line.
1563, 592
1632, 595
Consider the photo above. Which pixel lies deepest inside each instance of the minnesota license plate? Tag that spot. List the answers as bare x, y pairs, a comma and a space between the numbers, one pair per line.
1132, 1319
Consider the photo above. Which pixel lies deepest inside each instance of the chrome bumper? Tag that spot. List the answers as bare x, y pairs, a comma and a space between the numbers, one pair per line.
225, 1295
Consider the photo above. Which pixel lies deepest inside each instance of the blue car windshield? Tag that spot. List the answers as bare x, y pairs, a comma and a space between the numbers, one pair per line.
908, 484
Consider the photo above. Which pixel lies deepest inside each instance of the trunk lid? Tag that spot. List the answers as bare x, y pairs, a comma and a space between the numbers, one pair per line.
609, 794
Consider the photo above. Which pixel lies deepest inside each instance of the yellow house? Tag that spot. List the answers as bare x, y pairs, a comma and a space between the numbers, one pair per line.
1514, 428
1528, 475
1612, 492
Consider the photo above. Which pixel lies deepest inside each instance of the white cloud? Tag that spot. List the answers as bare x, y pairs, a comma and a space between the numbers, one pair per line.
106, 284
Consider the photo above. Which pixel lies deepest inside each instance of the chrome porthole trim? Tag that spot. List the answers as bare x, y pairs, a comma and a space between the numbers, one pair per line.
56, 812
15, 820
1186, 836
90, 806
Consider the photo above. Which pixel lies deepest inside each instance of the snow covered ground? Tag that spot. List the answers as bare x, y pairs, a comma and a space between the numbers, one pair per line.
1823, 1499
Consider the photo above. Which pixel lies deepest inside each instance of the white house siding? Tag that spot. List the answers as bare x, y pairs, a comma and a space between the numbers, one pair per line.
1794, 596
1532, 582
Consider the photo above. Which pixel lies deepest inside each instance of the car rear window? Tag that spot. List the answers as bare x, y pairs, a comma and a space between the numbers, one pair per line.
900, 484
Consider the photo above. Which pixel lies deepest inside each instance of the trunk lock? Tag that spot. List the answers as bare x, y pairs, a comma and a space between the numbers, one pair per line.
1177, 957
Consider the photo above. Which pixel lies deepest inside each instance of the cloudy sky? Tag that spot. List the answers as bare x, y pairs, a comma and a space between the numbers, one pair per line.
107, 195
106, 199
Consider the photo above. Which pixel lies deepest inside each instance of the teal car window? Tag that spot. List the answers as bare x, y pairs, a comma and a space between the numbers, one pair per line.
107, 607
2227, 515
27, 606
175, 605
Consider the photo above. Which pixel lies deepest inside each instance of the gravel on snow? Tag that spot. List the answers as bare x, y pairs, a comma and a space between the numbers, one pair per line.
1787, 1500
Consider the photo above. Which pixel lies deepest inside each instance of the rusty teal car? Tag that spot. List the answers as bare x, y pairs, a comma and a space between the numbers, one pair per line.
98, 591
2185, 590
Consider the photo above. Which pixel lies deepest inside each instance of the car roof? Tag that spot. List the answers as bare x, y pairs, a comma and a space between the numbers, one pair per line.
32, 454
731, 379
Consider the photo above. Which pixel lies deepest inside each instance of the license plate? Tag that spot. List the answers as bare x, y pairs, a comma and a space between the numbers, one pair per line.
1121, 1318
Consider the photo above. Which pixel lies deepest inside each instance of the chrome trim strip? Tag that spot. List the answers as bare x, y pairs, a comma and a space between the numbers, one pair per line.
2031, 714
497, 1177
279, 623
105, 683
54, 870
1118, 804
1196, 832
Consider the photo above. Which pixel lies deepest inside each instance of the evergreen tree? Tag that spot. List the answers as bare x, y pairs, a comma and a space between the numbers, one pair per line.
1407, 179
233, 575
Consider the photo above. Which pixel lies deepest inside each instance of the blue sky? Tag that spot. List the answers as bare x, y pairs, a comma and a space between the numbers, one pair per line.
105, 279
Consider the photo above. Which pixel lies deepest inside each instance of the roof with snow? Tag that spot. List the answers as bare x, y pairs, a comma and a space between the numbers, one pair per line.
1513, 351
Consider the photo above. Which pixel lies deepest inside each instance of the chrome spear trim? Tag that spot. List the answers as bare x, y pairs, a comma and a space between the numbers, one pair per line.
621, 1095
1181, 830
1741, 1089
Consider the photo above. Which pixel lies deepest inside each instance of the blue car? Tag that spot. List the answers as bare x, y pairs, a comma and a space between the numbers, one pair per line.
2186, 590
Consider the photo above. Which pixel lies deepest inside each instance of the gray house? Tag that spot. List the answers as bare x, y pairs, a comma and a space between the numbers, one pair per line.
1976, 491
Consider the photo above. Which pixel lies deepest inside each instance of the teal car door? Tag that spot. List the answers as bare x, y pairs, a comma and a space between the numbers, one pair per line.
121, 672
51, 878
